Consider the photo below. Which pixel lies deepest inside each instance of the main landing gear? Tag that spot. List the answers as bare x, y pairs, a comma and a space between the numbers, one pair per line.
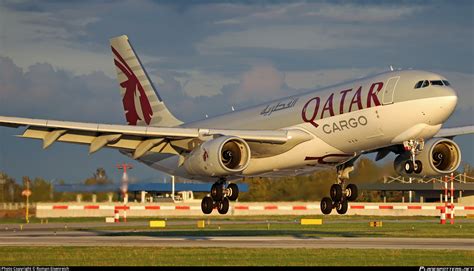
219, 197
340, 194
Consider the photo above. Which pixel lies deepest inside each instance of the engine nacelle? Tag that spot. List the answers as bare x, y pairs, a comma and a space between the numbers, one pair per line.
439, 156
219, 157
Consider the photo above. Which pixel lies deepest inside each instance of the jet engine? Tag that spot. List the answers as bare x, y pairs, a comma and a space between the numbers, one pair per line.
439, 156
220, 156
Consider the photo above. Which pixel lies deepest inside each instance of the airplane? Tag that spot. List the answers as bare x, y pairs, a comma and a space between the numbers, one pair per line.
398, 111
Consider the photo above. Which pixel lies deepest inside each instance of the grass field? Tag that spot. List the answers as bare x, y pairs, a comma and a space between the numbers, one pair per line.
218, 256
333, 226
220, 218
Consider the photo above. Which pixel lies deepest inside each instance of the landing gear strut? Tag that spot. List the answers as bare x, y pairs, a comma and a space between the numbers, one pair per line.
220, 197
340, 195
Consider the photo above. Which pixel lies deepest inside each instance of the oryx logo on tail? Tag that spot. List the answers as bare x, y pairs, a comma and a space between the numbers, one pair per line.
135, 102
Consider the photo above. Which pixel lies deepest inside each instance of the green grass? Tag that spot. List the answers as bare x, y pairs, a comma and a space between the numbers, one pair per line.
74, 256
35, 220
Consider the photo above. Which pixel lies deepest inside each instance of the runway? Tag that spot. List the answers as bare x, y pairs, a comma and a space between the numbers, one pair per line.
110, 238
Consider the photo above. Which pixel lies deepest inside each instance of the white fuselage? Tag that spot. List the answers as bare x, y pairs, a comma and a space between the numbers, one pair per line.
344, 120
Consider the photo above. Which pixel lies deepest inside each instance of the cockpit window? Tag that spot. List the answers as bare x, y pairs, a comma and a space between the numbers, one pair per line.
425, 83
418, 85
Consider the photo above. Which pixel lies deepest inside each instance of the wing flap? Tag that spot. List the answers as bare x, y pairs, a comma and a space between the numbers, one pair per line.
102, 141
80, 137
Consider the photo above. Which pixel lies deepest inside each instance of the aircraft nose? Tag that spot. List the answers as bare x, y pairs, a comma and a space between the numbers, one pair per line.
449, 91
452, 98
447, 101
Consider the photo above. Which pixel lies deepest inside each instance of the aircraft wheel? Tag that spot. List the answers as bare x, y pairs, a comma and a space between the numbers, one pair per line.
336, 192
223, 206
418, 167
351, 192
342, 206
409, 167
234, 192
326, 205
207, 205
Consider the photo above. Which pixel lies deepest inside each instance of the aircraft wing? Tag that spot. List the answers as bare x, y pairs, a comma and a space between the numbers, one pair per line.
444, 132
140, 139
452, 132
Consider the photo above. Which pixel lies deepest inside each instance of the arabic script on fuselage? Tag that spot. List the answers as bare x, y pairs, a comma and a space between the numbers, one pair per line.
281, 105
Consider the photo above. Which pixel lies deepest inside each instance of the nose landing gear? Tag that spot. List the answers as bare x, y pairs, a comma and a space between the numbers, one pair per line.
220, 197
413, 165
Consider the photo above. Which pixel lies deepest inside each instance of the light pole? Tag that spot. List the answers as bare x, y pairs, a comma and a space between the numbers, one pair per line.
2, 183
51, 189
172, 187
27, 193
124, 185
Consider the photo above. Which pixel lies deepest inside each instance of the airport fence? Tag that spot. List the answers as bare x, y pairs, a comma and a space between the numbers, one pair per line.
15, 205
49, 210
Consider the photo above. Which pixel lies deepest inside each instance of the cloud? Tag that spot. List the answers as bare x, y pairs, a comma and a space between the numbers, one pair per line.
184, 91
201, 83
295, 37
222, 37
335, 12
260, 82
43, 91
363, 13
322, 78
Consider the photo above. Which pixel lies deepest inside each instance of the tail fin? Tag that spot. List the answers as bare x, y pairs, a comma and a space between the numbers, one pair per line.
141, 102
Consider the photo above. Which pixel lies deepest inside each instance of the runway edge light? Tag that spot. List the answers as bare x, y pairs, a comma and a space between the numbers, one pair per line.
157, 224
201, 223
311, 221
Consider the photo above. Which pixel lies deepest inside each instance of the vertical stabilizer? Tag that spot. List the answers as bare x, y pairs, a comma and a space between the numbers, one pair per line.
141, 102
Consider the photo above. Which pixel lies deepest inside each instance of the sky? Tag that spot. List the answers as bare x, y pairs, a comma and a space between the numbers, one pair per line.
207, 56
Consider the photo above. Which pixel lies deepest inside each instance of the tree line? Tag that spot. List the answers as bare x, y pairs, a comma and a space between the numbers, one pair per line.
43, 190
311, 187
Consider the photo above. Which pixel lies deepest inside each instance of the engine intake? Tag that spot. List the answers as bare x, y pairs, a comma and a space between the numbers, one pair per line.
439, 156
220, 156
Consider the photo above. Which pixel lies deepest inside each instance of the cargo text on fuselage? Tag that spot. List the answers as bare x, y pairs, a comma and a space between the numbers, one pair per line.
340, 102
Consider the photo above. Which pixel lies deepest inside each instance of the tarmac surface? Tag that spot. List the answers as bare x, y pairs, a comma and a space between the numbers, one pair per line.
40, 237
